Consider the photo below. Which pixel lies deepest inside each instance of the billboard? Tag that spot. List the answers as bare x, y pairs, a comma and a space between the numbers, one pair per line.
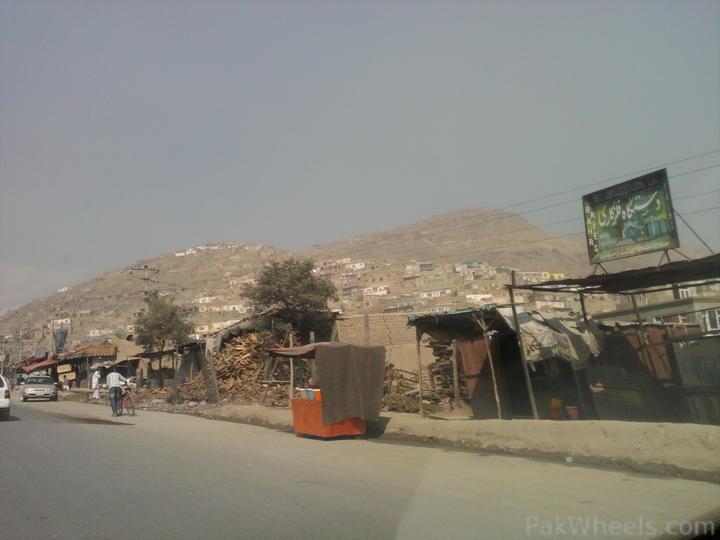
630, 218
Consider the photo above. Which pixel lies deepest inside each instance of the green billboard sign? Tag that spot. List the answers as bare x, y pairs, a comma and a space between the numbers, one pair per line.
631, 218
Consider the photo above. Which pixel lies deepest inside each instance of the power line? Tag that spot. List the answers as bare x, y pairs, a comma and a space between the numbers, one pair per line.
358, 248
695, 195
702, 210
502, 246
543, 240
620, 177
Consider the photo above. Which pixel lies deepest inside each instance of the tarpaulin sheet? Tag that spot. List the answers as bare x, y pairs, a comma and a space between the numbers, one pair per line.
545, 336
351, 380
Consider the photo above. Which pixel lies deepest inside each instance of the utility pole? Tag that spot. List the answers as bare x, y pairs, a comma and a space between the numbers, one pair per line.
139, 374
147, 269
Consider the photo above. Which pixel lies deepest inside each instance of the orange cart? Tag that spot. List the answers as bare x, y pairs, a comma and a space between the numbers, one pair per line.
307, 403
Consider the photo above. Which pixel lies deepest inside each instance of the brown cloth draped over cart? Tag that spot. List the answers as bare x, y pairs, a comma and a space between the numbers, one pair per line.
351, 381
351, 378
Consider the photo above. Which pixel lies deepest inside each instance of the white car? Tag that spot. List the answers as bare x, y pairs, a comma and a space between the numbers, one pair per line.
4, 398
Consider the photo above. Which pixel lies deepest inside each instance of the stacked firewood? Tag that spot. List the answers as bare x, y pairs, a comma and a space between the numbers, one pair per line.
441, 373
240, 369
401, 387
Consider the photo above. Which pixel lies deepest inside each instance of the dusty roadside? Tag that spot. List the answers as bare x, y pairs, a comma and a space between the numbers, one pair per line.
683, 450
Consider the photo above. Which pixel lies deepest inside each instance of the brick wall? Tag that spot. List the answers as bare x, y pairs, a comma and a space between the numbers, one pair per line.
389, 330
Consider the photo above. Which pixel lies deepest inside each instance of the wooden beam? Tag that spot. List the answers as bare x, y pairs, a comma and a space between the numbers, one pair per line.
518, 332
488, 349
456, 375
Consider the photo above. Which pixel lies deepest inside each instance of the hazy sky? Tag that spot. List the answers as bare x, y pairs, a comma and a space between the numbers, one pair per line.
131, 128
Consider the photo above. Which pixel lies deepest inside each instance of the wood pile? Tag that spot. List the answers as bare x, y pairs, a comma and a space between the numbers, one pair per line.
401, 387
242, 369
441, 373
401, 390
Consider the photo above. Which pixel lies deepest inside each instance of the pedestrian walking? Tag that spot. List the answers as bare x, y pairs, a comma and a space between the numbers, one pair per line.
96, 384
114, 383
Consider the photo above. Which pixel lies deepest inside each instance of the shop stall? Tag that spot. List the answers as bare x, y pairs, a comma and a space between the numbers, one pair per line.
338, 388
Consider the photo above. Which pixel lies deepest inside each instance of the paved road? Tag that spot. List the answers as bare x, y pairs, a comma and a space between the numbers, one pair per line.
69, 471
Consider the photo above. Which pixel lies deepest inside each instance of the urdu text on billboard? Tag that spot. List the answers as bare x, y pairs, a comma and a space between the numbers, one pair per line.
630, 218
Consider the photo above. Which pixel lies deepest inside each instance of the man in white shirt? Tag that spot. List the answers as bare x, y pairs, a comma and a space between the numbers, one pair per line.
114, 383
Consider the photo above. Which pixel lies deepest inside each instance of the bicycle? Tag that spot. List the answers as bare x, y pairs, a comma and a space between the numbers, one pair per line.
127, 402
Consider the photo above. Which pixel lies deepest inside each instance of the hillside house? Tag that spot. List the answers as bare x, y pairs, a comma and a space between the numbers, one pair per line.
381, 290
437, 293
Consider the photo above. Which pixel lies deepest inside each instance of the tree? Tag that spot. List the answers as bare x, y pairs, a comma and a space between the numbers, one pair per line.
160, 325
294, 295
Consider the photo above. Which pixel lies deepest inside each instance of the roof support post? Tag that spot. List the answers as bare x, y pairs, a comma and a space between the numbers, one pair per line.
418, 335
582, 306
488, 349
208, 369
643, 342
518, 332
456, 376
292, 375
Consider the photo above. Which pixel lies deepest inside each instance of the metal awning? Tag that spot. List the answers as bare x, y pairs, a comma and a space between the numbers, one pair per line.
39, 365
641, 280
305, 351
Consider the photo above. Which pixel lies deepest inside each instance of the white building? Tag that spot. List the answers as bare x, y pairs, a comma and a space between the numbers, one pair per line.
380, 290
99, 332
437, 293
204, 300
479, 298
189, 251
235, 307
355, 266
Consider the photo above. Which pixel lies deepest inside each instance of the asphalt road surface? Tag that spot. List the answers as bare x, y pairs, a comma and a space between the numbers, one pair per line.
70, 471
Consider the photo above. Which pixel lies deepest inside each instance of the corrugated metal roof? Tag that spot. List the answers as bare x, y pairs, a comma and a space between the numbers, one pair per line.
101, 350
39, 365
634, 280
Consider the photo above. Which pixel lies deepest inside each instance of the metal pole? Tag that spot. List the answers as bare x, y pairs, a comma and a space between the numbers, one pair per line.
292, 373
693, 231
518, 332
418, 334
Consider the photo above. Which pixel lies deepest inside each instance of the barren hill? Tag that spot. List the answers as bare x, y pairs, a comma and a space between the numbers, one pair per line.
501, 238
108, 303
